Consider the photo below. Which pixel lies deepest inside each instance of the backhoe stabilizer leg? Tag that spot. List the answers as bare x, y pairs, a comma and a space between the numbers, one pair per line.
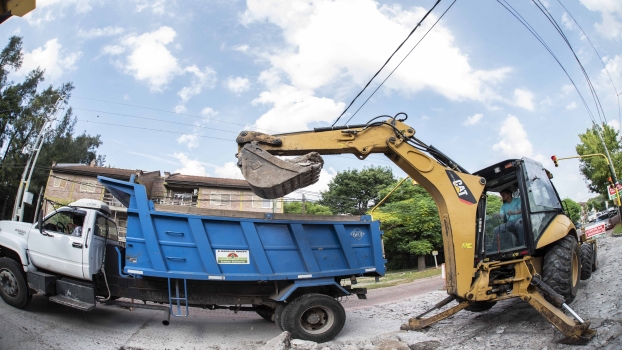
419, 323
576, 333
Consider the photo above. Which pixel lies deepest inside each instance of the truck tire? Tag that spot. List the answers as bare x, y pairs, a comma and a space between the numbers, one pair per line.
480, 306
13, 287
314, 317
587, 257
561, 268
266, 312
278, 315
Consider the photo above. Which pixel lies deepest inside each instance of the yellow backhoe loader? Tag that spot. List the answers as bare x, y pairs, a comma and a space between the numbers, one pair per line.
538, 256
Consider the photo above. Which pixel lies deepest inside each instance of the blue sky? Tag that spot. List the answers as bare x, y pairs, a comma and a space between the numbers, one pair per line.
479, 86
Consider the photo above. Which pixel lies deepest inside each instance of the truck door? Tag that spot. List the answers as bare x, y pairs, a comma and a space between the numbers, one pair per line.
58, 246
104, 229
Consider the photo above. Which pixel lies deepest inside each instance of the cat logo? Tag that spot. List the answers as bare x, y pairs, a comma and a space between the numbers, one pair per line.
462, 190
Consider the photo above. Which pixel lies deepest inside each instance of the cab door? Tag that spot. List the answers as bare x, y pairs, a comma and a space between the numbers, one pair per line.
57, 247
103, 230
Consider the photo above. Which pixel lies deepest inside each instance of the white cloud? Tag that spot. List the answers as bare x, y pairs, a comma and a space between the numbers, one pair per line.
237, 84
149, 60
312, 192
297, 107
567, 21
524, 99
241, 48
49, 10
191, 141
566, 89
474, 119
51, 58
208, 112
611, 12
156, 6
329, 49
614, 123
112, 50
229, 171
99, 32
205, 78
513, 141
189, 166
571, 105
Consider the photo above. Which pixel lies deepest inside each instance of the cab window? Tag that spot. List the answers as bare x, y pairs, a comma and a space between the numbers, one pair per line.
101, 226
113, 233
543, 202
69, 222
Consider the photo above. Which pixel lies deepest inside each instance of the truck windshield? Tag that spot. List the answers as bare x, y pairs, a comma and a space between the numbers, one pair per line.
68, 222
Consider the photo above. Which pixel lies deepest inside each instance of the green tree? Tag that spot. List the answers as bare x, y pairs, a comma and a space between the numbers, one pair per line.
409, 219
597, 203
353, 191
595, 169
24, 108
493, 204
574, 209
310, 208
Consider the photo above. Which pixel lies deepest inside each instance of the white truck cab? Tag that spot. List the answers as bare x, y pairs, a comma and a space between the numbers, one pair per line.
69, 241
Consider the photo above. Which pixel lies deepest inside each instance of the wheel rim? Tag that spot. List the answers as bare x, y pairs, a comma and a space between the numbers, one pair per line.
8, 282
575, 268
317, 320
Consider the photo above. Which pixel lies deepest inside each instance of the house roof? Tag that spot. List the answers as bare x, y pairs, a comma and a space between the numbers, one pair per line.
205, 181
85, 170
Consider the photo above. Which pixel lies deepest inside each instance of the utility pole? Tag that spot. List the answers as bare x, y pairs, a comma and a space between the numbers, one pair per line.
304, 204
24, 184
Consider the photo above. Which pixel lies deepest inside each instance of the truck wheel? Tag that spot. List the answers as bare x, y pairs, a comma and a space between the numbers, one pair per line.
595, 261
314, 317
480, 306
266, 312
586, 260
561, 268
13, 288
278, 315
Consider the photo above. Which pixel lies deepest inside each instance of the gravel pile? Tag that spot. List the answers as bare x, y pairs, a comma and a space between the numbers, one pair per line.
511, 324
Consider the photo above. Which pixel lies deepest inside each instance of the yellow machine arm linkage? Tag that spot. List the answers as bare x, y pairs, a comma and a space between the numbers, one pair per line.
455, 192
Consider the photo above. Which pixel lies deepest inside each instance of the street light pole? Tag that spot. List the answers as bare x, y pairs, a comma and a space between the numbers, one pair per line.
24, 184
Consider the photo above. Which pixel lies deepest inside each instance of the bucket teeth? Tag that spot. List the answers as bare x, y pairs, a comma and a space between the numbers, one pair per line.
271, 177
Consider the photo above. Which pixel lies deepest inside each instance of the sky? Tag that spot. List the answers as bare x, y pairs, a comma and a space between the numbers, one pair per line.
168, 84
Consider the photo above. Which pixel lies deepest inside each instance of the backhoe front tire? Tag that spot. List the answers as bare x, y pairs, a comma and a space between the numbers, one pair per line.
561, 268
587, 257
13, 287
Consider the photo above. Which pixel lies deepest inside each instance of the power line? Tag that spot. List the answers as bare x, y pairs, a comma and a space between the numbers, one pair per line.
399, 64
165, 111
149, 129
385, 63
526, 24
600, 58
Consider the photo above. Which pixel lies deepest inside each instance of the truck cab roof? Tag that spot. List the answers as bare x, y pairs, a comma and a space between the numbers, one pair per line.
91, 204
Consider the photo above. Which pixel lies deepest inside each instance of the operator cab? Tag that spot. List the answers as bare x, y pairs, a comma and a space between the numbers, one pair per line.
520, 203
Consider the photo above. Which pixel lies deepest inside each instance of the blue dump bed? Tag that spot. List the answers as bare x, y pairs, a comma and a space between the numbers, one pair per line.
261, 248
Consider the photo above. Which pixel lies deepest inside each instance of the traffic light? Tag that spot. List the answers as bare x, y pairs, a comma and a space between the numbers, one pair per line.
554, 159
610, 181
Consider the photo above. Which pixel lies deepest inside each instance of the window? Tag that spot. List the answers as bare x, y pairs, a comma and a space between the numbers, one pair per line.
543, 202
220, 199
67, 222
113, 232
59, 182
259, 202
87, 186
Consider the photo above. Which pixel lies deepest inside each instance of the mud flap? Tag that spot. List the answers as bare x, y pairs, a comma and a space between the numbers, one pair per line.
271, 177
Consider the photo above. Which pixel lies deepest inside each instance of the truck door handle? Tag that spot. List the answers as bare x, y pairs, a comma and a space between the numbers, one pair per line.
76, 245
173, 258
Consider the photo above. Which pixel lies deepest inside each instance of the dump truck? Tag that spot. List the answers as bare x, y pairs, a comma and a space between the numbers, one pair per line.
532, 252
286, 268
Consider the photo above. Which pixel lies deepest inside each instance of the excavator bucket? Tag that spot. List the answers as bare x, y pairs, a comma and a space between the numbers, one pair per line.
271, 177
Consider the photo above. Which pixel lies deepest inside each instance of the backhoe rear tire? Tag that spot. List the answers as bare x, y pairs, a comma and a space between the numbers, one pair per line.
587, 257
13, 287
561, 268
480, 306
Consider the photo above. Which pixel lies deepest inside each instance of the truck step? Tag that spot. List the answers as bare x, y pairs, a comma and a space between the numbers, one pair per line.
76, 304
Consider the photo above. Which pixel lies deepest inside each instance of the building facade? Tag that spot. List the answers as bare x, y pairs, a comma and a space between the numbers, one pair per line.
70, 182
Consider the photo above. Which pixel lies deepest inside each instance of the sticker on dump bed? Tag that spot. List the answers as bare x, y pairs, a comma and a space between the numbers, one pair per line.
232, 256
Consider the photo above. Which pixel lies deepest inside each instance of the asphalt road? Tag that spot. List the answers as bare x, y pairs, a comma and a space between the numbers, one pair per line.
46, 325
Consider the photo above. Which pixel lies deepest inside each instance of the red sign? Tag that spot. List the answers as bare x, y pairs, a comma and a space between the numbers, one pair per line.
595, 230
612, 191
